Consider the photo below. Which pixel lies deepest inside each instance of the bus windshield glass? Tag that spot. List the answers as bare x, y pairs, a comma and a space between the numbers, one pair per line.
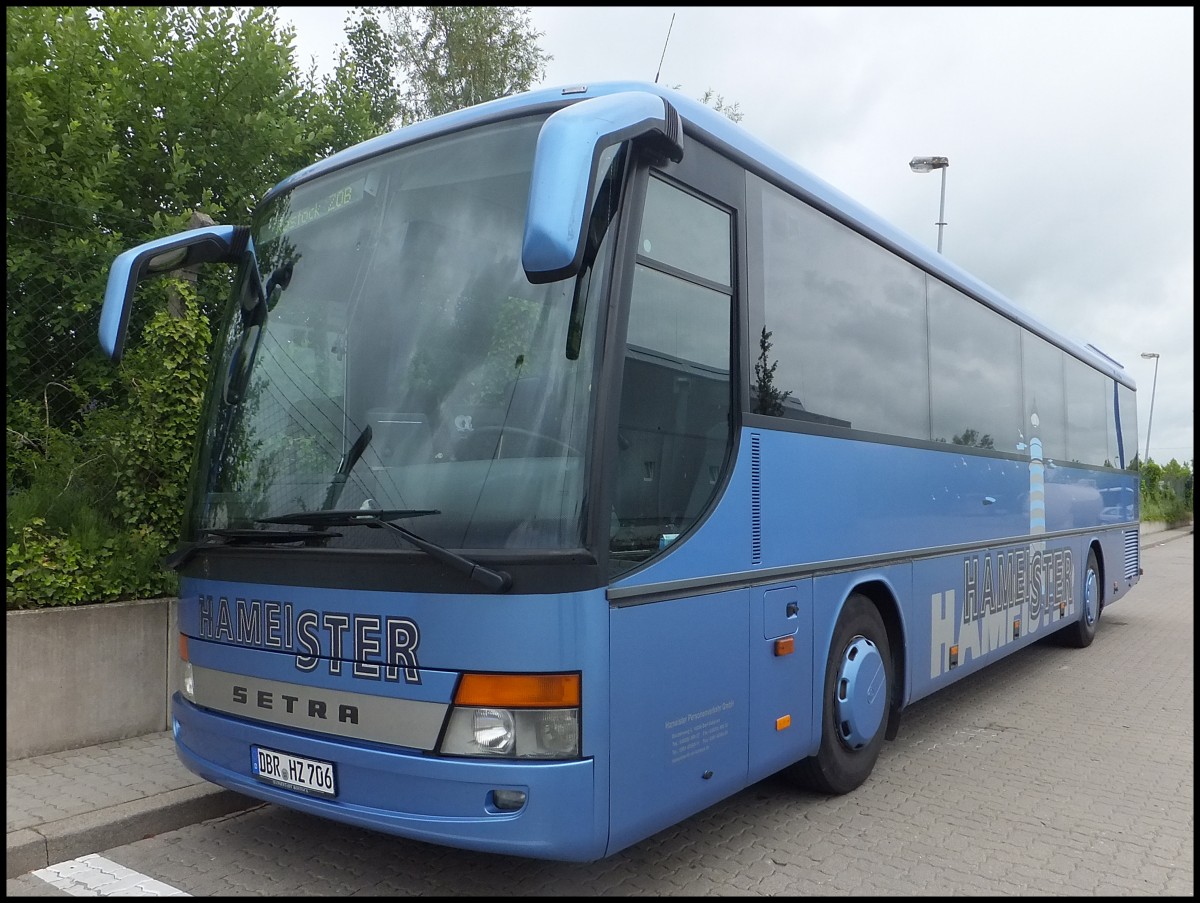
385, 352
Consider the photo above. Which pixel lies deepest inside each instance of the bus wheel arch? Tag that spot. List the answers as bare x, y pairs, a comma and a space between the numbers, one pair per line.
1080, 634
889, 609
1095, 549
859, 694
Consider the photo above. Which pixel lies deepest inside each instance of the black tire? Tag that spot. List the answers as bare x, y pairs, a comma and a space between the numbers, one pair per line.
854, 717
1080, 634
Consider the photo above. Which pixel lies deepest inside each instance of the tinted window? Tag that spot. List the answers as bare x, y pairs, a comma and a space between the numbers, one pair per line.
1045, 406
1127, 410
674, 427
843, 337
975, 385
1087, 413
679, 319
684, 234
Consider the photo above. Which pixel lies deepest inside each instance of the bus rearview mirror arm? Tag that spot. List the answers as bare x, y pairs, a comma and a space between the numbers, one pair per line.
208, 244
564, 172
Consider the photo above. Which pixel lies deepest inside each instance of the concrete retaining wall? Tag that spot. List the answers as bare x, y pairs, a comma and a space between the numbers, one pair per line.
88, 674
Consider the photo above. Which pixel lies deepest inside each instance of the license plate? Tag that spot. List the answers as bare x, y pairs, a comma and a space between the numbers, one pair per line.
293, 772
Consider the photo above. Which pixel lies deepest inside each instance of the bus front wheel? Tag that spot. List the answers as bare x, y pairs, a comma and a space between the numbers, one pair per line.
855, 702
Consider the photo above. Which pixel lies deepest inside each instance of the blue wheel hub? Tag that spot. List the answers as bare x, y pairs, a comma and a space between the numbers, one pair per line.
1091, 598
861, 696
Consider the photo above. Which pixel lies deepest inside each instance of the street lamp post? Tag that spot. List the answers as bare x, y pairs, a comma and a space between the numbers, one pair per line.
929, 164
1153, 387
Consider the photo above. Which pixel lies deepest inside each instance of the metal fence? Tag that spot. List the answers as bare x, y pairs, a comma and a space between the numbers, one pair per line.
58, 260
58, 264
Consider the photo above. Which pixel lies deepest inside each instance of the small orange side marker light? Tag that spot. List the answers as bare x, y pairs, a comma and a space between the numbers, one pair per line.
953, 656
784, 722
183, 650
785, 645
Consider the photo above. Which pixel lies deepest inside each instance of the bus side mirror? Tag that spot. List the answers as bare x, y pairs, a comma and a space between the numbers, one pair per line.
564, 172
208, 244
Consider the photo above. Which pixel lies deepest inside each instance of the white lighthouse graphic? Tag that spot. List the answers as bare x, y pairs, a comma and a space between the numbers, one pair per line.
1037, 480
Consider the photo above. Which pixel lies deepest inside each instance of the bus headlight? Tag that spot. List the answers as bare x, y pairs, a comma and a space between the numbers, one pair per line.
493, 730
187, 682
514, 716
513, 733
558, 731
187, 679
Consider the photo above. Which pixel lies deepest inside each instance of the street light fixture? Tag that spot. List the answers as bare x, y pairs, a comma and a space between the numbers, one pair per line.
929, 164
1153, 386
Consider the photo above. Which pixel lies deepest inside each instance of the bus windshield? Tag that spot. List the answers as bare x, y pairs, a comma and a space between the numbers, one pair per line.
384, 351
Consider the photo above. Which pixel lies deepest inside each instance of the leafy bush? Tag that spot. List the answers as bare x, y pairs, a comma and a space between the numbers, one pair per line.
47, 568
95, 510
1166, 492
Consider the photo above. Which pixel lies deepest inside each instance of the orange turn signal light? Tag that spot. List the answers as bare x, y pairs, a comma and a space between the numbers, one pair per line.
547, 691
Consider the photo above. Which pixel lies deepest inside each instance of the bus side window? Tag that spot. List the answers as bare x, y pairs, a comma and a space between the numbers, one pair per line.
675, 399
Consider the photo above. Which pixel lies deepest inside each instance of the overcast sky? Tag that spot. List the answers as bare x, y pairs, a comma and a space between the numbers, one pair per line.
1069, 133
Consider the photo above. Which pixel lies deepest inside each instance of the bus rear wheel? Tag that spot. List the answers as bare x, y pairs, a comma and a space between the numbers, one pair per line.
1082, 632
856, 699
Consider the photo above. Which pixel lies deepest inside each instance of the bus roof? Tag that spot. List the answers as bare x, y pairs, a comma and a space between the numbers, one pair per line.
717, 130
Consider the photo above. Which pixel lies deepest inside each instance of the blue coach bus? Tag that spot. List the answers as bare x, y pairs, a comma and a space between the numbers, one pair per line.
573, 461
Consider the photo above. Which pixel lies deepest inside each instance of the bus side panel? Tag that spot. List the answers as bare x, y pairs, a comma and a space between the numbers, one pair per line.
1120, 561
679, 713
781, 666
826, 499
973, 608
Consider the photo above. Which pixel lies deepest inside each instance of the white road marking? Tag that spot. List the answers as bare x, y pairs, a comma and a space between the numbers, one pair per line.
95, 876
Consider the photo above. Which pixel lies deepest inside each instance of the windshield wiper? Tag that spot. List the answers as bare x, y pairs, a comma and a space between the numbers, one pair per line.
347, 464
238, 537
496, 581
346, 517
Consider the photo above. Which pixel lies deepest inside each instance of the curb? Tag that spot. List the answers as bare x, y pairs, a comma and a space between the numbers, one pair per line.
29, 849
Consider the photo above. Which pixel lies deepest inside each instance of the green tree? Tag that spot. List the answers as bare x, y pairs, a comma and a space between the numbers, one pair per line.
732, 111
121, 122
767, 398
452, 57
362, 91
1173, 470
972, 438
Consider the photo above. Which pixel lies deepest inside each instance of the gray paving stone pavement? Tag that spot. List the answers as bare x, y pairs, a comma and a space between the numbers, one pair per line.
67, 805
